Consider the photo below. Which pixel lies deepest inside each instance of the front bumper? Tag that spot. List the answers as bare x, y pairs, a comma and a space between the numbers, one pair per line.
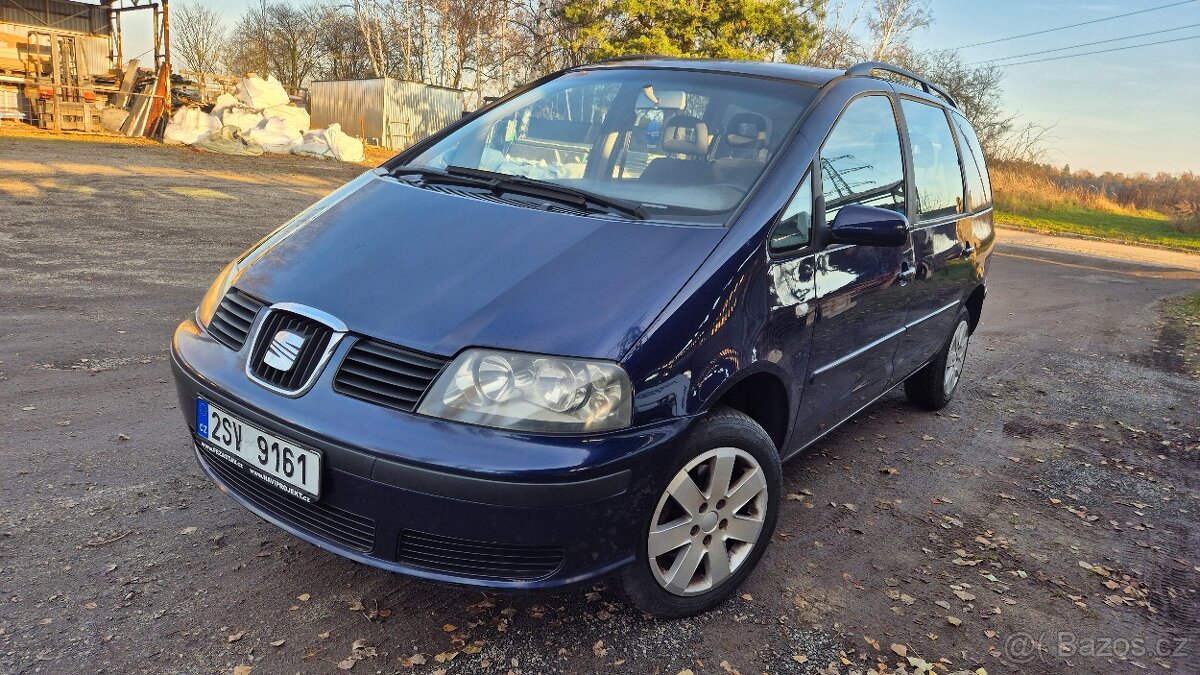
435, 499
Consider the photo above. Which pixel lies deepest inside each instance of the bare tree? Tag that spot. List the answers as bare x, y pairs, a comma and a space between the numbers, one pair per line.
198, 38
893, 23
277, 38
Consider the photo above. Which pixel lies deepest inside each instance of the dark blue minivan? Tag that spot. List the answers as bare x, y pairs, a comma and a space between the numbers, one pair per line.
576, 333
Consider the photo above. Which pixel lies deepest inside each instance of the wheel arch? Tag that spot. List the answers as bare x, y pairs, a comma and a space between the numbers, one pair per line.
974, 305
761, 395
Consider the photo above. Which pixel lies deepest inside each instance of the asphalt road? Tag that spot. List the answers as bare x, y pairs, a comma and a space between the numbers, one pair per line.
1066, 462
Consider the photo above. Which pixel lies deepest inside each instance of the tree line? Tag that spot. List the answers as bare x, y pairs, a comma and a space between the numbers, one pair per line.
489, 47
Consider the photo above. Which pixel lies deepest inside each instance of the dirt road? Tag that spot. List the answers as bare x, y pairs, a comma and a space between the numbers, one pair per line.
1044, 523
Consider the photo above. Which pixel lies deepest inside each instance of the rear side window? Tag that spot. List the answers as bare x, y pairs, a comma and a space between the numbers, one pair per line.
861, 161
979, 187
936, 172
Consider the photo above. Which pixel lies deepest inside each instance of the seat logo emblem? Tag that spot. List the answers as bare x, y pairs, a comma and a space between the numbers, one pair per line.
282, 352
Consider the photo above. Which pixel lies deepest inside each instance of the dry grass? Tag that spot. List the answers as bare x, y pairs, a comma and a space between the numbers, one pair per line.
1021, 192
1032, 201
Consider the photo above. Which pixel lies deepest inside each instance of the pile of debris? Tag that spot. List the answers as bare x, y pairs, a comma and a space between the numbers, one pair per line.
260, 118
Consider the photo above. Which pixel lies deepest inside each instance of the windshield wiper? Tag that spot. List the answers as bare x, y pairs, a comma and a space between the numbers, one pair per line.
545, 189
442, 177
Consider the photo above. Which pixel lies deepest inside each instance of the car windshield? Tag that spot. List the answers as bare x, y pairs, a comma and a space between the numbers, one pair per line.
676, 145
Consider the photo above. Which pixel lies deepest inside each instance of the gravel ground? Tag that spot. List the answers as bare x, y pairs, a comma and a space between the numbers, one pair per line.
1044, 523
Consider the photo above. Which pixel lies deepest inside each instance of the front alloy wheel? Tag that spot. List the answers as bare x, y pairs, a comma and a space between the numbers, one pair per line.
700, 535
712, 520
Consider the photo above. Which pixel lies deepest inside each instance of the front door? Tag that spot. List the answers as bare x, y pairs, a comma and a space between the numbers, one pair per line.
860, 291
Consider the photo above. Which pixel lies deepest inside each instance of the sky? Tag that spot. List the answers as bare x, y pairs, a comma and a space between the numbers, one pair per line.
1128, 111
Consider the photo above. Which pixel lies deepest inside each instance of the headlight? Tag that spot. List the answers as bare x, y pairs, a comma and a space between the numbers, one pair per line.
527, 392
220, 286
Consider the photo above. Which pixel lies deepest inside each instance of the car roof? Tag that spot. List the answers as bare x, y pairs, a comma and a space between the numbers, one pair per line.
783, 71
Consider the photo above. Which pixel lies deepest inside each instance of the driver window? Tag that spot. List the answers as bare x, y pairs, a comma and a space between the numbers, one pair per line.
861, 161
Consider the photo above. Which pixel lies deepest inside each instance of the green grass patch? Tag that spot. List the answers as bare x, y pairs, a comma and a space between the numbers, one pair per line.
1146, 227
1183, 327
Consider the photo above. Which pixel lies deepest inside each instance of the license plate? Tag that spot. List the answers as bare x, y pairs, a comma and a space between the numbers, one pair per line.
274, 460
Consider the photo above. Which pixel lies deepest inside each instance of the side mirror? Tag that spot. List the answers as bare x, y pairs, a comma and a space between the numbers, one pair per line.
869, 226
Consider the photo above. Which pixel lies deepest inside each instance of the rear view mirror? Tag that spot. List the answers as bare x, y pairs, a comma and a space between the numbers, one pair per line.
869, 226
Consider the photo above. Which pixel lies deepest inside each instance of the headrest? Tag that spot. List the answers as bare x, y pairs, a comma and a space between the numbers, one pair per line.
746, 129
686, 134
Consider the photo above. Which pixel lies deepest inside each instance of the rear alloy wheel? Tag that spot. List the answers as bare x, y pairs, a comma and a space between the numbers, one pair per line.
933, 386
712, 520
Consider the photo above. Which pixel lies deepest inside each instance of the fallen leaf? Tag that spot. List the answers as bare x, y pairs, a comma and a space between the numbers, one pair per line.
899, 649
414, 660
234, 637
323, 636
965, 596
242, 670
889, 470
747, 597
346, 664
599, 650
799, 658
449, 628
954, 621
277, 643
188, 530
303, 597
356, 606
445, 656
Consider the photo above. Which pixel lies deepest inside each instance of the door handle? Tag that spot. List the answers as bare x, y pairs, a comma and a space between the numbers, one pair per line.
968, 250
907, 273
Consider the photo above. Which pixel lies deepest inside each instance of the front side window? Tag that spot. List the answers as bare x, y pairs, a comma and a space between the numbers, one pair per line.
682, 145
795, 227
861, 161
936, 173
979, 187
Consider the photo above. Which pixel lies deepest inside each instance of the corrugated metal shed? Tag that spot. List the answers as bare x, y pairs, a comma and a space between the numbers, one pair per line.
57, 15
388, 112
15, 48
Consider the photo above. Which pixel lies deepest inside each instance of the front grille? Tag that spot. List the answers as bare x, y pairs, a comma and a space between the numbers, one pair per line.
385, 374
231, 322
320, 520
478, 559
316, 339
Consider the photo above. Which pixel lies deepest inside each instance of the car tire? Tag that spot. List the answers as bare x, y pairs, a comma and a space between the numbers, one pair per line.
694, 522
934, 385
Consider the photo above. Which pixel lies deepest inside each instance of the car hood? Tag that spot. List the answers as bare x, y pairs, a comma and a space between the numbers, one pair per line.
437, 272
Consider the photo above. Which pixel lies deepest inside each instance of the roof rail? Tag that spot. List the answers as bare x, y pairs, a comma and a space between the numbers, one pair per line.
636, 57
865, 69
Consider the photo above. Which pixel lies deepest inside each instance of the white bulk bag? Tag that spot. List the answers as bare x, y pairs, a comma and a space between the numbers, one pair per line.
275, 134
223, 101
297, 117
345, 148
241, 117
190, 125
258, 93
